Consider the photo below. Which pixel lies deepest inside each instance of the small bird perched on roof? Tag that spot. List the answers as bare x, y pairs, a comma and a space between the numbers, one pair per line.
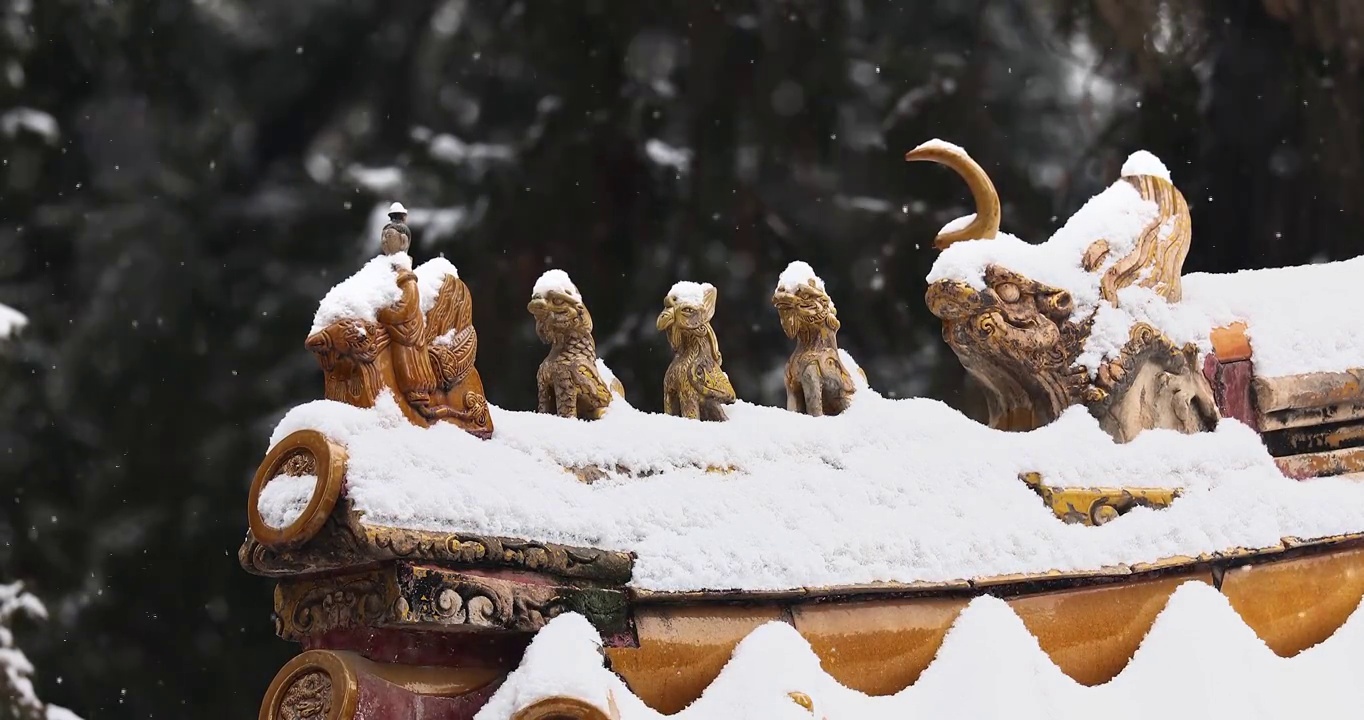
395, 237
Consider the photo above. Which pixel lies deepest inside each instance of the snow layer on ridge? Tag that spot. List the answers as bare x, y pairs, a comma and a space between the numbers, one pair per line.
555, 279
1206, 662
362, 295
1301, 319
891, 490
691, 293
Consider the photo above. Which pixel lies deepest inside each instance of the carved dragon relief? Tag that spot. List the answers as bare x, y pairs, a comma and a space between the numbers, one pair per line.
1021, 338
694, 386
426, 359
817, 383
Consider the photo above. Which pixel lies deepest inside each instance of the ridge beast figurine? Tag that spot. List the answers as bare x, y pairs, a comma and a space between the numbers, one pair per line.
567, 383
694, 385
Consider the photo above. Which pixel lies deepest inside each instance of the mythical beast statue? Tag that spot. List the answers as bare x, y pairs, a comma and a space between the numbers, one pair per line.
568, 382
694, 385
425, 357
1022, 339
817, 383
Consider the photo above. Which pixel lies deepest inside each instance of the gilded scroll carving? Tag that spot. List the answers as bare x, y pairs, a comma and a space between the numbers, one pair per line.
1096, 505
1021, 339
817, 383
425, 357
406, 595
344, 541
694, 386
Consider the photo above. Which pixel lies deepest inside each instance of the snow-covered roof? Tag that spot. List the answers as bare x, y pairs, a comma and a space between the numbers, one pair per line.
1302, 319
891, 490
1203, 658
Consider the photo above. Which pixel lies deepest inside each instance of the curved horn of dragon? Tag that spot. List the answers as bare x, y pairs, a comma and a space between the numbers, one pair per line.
1023, 339
985, 223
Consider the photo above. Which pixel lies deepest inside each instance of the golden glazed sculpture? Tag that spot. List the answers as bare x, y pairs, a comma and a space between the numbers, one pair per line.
427, 359
568, 383
694, 385
1021, 338
817, 383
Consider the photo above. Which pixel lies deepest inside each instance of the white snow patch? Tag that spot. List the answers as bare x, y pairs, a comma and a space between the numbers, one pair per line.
607, 377
430, 276
378, 180
20, 697
796, 274
936, 144
362, 295
555, 279
1142, 162
890, 490
1301, 319
1118, 215
11, 321
689, 292
457, 152
853, 369
28, 119
666, 155
958, 224
283, 499
989, 667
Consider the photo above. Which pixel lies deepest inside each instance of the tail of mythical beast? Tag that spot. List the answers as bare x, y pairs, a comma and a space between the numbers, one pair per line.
1155, 261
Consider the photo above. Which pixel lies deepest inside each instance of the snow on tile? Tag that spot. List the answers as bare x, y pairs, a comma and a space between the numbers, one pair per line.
689, 292
796, 274
1301, 319
283, 499
364, 294
1142, 162
555, 279
1206, 662
890, 490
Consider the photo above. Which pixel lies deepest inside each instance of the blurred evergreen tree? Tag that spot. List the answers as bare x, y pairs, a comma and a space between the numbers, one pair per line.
218, 164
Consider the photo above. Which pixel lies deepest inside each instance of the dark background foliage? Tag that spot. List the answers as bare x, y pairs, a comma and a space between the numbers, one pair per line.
218, 164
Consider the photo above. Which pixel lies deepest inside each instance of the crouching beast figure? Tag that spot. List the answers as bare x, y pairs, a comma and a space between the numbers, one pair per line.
1021, 339
568, 383
694, 385
817, 383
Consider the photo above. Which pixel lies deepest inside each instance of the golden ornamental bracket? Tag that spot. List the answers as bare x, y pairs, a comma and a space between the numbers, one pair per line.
305, 452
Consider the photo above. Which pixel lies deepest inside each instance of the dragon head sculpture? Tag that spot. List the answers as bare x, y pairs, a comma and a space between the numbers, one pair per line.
805, 310
558, 315
1021, 339
348, 351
